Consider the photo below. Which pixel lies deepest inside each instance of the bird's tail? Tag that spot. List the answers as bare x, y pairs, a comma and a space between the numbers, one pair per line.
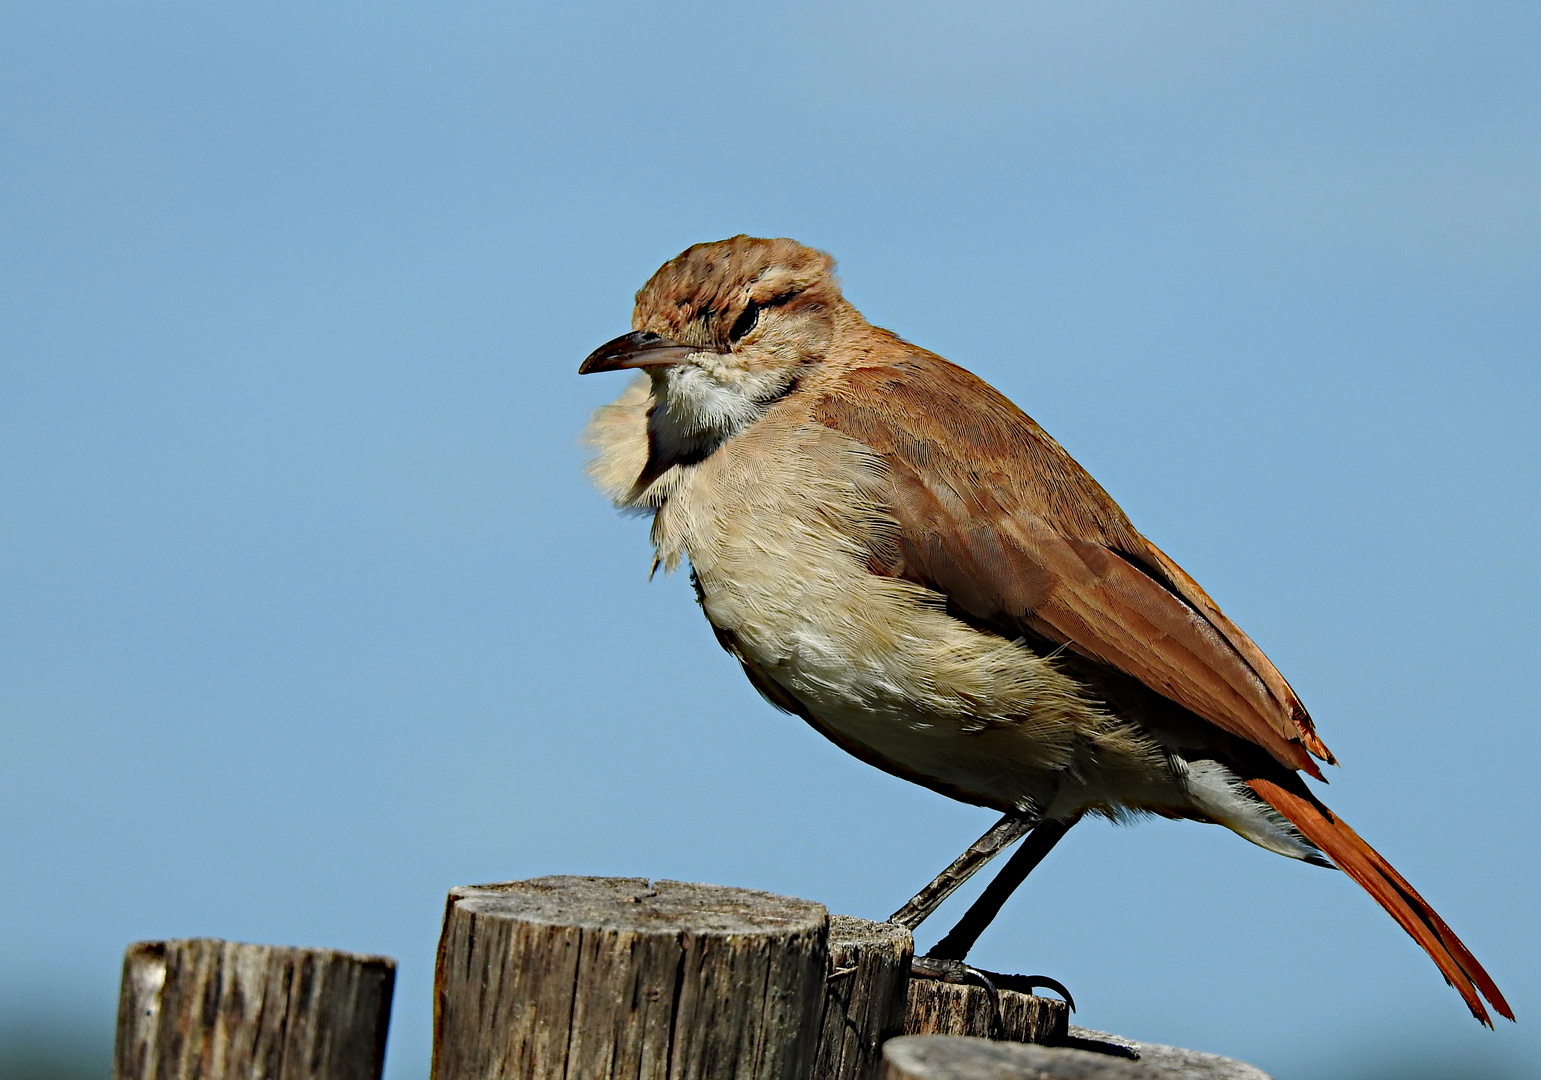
1366, 865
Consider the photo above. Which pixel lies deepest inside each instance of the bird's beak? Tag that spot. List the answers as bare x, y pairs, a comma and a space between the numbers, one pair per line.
634, 350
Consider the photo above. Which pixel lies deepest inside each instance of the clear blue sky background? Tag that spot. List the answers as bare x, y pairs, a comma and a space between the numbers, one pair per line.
307, 613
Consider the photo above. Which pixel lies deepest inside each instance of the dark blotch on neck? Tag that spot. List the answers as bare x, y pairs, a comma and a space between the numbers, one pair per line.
661, 459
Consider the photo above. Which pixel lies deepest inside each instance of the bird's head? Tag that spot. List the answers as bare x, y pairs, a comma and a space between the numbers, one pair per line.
724, 330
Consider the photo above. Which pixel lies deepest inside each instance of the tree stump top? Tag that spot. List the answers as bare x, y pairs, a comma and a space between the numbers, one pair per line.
856, 931
638, 905
622, 979
953, 1057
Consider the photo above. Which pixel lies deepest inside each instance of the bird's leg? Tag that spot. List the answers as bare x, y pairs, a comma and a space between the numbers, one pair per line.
945, 960
1002, 835
960, 939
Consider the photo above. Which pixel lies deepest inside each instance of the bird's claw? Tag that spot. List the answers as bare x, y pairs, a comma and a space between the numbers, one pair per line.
956, 971
1026, 984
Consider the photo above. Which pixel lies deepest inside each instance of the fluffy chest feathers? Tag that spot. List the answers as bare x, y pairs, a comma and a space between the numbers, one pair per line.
701, 405
776, 525
779, 524
775, 518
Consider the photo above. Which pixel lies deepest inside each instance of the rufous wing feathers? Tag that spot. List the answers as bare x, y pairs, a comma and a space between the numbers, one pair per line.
995, 515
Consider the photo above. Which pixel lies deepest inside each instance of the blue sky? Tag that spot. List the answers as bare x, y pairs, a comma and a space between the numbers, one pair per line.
307, 613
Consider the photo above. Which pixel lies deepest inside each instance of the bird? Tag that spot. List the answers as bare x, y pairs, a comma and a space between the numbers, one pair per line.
898, 555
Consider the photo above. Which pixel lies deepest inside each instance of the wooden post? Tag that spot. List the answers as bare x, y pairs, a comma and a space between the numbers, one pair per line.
599, 978
869, 968
946, 1057
204, 1009
943, 1008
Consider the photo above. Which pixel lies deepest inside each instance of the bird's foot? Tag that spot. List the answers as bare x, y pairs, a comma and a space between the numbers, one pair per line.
956, 971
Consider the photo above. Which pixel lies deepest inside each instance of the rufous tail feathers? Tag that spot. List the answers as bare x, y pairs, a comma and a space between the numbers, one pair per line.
1391, 890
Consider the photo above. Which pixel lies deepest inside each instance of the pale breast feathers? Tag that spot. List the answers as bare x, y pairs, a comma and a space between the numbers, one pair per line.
785, 527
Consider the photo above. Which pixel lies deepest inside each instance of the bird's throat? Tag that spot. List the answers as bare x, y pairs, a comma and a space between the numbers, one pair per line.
695, 411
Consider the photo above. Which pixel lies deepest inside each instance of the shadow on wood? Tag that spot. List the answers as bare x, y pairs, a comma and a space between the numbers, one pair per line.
944, 1057
872, 998
864, 1005
942, 1008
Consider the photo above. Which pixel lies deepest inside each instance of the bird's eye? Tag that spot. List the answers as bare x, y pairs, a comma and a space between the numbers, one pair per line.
745, 322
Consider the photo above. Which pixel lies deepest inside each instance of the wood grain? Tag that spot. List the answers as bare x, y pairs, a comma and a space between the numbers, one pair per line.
945, 1057
943, 1008
869, 970
594, 978
205, 1009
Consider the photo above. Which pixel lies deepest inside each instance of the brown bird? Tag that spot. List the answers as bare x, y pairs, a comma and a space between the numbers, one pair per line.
901, 557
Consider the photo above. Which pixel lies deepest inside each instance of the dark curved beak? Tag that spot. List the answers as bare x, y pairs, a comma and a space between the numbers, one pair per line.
634, 350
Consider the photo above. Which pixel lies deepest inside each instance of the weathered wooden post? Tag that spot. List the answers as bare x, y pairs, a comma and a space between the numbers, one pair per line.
944, 1008
864, 1006
872, 998
949, 1057
204, 1009
599, 978
945, 1057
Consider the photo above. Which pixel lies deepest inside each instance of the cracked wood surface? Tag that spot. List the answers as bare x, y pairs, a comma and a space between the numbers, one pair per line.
939, 1057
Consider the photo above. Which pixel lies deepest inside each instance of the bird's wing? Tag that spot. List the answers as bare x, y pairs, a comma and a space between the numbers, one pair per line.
996, 516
